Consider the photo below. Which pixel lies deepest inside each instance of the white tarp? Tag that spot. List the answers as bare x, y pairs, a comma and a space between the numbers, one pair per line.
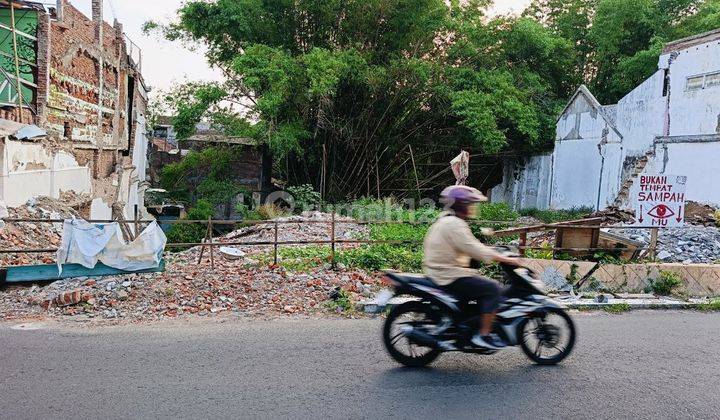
85, 244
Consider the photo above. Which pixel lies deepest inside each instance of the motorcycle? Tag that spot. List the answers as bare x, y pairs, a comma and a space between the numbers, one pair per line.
416, 332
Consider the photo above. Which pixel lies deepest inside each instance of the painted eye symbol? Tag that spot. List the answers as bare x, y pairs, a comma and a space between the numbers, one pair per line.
661, 211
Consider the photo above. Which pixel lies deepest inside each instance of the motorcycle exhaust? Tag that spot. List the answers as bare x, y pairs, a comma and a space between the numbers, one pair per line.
420, 337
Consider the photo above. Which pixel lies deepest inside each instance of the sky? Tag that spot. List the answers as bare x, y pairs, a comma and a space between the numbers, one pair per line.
165, 63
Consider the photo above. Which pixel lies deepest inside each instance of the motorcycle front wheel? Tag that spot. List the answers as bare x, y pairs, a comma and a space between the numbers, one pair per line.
401, 348
547, 338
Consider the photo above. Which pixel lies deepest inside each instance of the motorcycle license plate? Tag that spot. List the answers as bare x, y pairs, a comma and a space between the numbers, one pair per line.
384, 297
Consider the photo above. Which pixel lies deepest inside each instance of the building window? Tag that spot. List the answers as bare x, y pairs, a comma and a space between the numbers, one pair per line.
704, 81
712, 80
695, 83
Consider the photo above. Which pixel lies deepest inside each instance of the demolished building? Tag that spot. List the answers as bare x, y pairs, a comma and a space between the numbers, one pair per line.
669, 124
80, 83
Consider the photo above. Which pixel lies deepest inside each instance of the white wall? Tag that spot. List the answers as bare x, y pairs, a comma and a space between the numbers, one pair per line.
525, 184
29, 170
693, 112
641, 114
700, 162
587, 149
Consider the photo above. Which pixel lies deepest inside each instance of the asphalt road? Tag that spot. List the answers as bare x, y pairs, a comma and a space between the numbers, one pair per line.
640, 364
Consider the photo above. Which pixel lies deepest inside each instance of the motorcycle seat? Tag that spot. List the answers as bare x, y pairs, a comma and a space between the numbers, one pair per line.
413, 279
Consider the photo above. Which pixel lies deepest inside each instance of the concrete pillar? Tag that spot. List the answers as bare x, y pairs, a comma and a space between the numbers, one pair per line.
60, 10
97, 17
43, 67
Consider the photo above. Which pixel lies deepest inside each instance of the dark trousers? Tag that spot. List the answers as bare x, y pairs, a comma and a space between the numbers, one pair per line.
485, 291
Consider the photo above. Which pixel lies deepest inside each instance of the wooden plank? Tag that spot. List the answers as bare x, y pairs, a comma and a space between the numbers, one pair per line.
49, 272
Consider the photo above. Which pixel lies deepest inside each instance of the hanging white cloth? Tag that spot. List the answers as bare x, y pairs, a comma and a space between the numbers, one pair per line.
85, 244
461, 167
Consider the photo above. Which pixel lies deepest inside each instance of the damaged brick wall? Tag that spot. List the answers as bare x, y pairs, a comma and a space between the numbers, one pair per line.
91, 99
84, 81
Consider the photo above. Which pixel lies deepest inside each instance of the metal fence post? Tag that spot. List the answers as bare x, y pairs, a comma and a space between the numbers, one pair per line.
275, 243
136, 221
523, 243
332, 238
210, 237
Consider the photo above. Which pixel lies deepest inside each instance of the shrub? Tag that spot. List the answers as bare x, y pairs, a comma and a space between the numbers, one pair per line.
546, 253
210, 174
270, 211
499, 212
554, 216
306, 198
666, 284
717, 217
191, 232
385, 210
340, 301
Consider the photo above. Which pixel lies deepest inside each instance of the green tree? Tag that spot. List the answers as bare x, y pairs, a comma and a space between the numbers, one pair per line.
617, 43
349, 85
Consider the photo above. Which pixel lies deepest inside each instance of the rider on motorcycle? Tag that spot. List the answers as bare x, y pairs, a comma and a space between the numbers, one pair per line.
449, 249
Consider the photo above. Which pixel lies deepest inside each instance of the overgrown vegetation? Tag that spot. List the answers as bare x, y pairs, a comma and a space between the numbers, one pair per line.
341, 89
616, 308
306, 198
209, 175
713, 305
191, 232
666, 284
340, 301
554, 216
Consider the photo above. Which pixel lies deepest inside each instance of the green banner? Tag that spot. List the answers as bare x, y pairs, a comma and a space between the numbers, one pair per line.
26, 23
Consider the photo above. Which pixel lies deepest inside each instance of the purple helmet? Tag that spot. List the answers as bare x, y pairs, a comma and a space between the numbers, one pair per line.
461, 194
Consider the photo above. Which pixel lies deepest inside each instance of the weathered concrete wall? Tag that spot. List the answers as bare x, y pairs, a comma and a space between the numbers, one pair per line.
587, 152
28, 170
694, 111
699, 161
525, 184
699, 280
640, 115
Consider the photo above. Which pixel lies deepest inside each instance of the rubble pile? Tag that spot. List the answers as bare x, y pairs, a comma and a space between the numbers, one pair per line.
188, 289
691, 244
26, 235
345, 228
700, 214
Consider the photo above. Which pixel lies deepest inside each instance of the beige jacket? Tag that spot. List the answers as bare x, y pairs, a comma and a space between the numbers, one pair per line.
449, 247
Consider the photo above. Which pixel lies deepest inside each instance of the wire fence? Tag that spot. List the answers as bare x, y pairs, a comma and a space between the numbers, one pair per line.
210, 242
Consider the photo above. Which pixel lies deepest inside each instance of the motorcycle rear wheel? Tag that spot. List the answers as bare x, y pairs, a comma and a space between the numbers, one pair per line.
399, 346
548, 335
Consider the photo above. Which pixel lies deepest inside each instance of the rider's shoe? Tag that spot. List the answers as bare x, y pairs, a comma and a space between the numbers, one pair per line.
492, 341
447, 345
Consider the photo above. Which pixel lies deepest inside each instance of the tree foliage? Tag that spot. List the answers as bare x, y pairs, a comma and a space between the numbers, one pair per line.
343, 91
350, 85
617, 43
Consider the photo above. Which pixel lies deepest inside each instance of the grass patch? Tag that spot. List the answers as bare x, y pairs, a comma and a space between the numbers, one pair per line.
554, 216
616, 308
713, 305
340, 302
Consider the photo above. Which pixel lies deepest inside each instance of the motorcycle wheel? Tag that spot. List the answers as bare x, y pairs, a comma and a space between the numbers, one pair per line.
547, 338
400, 347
